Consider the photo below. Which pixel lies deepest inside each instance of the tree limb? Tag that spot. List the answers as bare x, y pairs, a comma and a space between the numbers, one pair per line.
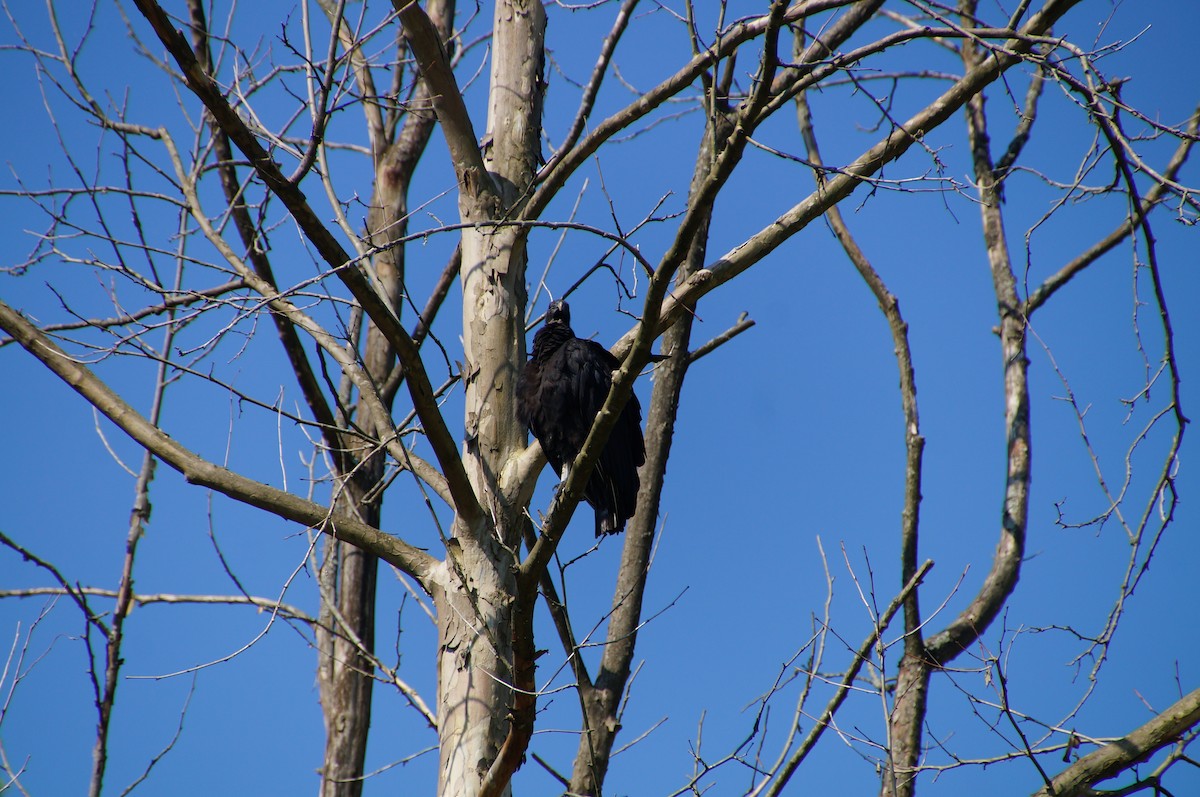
1115, 758
891, 147
147, 599
1001, 579
1101, 247
552, 179
256, 253
196, 470
861, 657
445, 447
294, 317
426, 45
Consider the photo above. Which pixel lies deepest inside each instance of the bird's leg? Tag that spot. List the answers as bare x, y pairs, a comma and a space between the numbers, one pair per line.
562, 478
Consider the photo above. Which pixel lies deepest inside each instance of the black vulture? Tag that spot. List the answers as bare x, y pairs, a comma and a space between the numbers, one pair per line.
559, 393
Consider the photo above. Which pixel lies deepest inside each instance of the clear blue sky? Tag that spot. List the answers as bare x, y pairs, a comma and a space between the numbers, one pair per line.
789, 435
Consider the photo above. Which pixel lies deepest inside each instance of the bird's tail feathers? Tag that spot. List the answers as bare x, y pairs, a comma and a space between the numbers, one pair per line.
608, 523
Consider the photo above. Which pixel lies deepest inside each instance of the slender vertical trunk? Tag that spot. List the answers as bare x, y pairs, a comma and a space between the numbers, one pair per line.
908, 714
346, 633
347, 644
905, 724
601, 700
346, 636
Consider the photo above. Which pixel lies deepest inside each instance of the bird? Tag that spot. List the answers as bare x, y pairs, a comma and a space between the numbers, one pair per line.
559, 393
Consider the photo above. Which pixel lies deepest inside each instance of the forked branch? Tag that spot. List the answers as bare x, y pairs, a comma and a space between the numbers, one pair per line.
466, 504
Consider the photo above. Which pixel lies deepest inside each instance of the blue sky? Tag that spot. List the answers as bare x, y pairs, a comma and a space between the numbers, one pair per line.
787, 436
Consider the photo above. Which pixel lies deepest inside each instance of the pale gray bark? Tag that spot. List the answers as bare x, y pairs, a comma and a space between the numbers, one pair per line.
475, 592
907, 719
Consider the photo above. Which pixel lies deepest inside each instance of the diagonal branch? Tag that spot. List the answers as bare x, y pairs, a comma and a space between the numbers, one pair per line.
294, 317
588, 102
861, 657
553, 179
197, 470
171, 300
891, 147
1103, 246
331, 251
426, 44
285, 610
257, 255
1112, 759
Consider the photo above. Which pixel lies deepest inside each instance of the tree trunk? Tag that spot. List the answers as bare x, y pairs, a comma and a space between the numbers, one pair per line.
601, 700
346, 643
346, 633
475, 589
346, 637
472, 595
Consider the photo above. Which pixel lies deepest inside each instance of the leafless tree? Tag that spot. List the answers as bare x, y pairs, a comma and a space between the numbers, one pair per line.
240, 153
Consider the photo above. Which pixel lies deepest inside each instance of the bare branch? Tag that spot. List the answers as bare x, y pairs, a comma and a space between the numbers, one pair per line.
1112, 759
1002, 578
551, 180
588, 100
426, 45
148, 599
891, 147
1154, 196
446, 449
199, 471
743, 323
257, 255
171, 301
293, 317
861, 656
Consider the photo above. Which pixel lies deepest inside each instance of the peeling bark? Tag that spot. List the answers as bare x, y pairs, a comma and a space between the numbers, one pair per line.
483, 729
472, 594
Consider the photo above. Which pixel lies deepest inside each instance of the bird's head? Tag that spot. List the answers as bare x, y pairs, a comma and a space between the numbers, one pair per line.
558, 313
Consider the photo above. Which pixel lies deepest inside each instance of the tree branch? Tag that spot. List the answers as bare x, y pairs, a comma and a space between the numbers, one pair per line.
861, 656
1153, 197
552, 179
445, 448
172, 299
891, 147
588, 100
257, 255
1113, 759
294, 317
426, 45
743, 323
197, 470
148, 599
1006, 565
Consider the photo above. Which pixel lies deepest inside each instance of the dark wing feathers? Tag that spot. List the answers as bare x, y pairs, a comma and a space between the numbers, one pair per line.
560, 392
613, 486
